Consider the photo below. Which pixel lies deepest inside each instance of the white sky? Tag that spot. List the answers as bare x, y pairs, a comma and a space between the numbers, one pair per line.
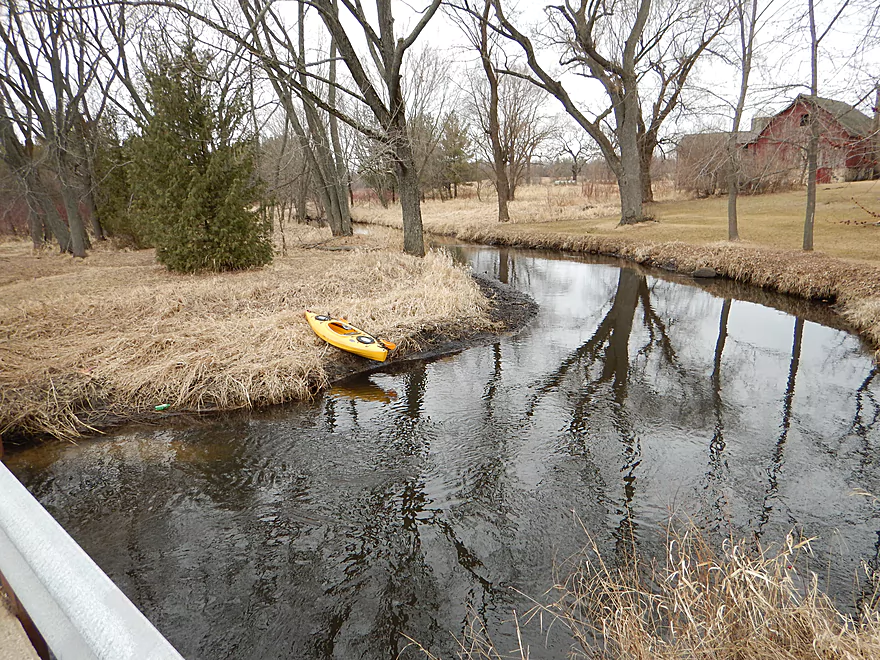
781, 70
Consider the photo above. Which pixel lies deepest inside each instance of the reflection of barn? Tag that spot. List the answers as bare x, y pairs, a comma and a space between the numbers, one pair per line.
845, 144
774, 153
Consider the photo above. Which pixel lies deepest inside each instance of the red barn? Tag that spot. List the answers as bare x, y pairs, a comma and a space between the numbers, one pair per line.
846, 151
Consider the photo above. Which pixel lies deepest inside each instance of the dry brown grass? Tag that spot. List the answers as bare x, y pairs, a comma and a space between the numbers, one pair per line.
740, 602
843, 228
87, 341
737, 602
690, 234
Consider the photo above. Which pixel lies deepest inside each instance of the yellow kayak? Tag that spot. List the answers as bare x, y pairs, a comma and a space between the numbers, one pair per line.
341, 334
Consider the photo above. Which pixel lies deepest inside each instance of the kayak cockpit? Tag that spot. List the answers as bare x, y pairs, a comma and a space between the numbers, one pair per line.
342, 328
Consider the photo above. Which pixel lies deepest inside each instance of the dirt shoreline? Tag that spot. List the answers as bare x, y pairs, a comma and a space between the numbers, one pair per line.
510, 310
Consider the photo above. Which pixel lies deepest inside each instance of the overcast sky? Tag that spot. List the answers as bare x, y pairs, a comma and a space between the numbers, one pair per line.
781, 70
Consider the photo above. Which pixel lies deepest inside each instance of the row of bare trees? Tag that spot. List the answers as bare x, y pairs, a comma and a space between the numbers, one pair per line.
51, 73
345, 90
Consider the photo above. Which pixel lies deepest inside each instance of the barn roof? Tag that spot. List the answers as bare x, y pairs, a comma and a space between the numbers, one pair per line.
853, 121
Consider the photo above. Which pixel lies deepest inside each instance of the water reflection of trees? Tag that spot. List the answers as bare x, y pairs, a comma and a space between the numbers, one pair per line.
867, 414
777, 459
717, 472
603, 364
385, 565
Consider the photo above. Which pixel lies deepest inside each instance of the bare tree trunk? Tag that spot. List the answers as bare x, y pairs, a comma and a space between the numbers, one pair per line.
511, 187
502, 183
88, 199
629, 178
408, 184
50, 217
627, 116
36, 221
79, 241
54, 223
84, 153
647, 181
813, 142
747, 25
647, 145
322, 149
341, 179
732, 197
302, 191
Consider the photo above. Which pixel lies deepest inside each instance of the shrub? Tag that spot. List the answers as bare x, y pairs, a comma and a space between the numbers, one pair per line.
194, 186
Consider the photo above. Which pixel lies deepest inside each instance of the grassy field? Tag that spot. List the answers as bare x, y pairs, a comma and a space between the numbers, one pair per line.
843, 229
87, 342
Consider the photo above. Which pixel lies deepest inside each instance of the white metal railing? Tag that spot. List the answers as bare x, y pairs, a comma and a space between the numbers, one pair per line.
77, 609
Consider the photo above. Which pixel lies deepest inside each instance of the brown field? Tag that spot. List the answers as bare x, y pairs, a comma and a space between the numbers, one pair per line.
689, 234
843, 229
87, 342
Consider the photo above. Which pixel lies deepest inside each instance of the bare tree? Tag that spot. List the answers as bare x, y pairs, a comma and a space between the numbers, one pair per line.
474, 22
814, 124
20, 157
676, 36
385, 98
621, 45
521, 124
51, 63
304, 94
747, 15
574, 146
579, 30
387, 52
429, 95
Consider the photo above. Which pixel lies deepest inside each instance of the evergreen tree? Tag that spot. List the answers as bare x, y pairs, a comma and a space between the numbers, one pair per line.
455, 150
193, 181
112, 190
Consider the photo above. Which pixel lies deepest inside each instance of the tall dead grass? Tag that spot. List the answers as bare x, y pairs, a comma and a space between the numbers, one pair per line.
87, 342
737, 602
742, 601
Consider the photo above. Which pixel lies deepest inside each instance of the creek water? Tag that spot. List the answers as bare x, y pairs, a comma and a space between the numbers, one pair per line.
411, 500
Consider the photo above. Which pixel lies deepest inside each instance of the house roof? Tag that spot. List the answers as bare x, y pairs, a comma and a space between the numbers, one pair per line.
853, 121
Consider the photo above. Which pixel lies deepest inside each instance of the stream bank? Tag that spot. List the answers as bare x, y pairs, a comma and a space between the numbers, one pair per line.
852, 288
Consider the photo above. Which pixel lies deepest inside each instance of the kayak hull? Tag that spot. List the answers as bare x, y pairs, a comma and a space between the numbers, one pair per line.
341, 334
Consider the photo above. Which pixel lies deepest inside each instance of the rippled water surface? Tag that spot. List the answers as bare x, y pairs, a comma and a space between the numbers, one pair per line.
406, 499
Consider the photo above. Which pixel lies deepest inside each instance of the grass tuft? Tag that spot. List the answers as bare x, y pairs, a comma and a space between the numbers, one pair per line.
741, 601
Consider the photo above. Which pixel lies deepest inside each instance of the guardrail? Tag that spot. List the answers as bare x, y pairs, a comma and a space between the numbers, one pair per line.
76, 608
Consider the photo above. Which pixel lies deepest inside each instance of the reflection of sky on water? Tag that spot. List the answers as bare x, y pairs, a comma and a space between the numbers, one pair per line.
400, 499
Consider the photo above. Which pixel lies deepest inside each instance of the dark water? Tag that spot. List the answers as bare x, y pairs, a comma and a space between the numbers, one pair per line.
403, 500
